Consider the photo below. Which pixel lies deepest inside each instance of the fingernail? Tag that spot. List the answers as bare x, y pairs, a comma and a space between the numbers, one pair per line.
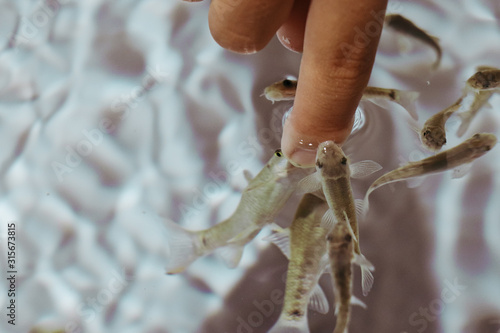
297, 148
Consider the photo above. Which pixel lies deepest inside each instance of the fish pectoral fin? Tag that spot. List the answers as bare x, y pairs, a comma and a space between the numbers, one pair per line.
357, 301
366, 272
328, 220
318, 301
461, 170
230, 254
281, 238
311, 183
364, 168
359, 207
248, 176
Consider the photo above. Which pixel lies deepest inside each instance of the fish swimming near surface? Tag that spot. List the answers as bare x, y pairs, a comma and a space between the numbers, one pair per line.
260, 201
285, 91
333, 177
466, 152
405, 26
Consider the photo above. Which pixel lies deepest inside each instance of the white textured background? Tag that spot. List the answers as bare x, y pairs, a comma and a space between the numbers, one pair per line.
137, 108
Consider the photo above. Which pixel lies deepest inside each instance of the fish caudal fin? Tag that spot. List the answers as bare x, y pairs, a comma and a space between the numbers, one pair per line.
284, 325
407, 100
182, 247
366, 272
230, 254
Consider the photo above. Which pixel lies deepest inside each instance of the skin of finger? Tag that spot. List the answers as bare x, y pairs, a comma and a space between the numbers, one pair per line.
331, 83
246, 26
291, 33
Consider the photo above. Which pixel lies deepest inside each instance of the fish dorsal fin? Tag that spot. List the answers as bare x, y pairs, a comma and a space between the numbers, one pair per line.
310, 183
280, 238
248, 176
230, 254
328, 220
366, 274
461, 170
359, 207
357, 301
364, 168
318, 301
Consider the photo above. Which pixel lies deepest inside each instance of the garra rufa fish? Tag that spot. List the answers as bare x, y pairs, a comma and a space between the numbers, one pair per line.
466, 152
340, 243
304, 244
333, 176
285, 91
260, 201
405, 26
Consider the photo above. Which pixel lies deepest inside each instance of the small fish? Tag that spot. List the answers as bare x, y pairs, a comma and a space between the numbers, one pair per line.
433, 133
486, 79
281, 91
285, 91
333, 177
341, 244
405, 26
260, 201
466, 152
304, 243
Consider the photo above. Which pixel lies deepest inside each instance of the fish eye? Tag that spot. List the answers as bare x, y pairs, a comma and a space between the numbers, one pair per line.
278, 153
348, 238
487, 148
287, 83
319, 164
343, 161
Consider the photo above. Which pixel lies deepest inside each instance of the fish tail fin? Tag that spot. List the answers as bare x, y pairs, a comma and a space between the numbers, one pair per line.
465, 118
182, 247
407, 100
284, 325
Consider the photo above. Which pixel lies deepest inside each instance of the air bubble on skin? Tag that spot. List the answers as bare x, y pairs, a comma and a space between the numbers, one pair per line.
359, 120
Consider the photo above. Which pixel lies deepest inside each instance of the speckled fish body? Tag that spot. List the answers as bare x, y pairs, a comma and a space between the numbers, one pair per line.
261, 200
307, 263
466, 152
341, 254
405, 26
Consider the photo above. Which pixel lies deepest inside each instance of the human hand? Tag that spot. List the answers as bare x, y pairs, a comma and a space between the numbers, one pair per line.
338, 38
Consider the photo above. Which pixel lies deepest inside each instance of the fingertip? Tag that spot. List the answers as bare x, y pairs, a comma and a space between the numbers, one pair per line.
298, 148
